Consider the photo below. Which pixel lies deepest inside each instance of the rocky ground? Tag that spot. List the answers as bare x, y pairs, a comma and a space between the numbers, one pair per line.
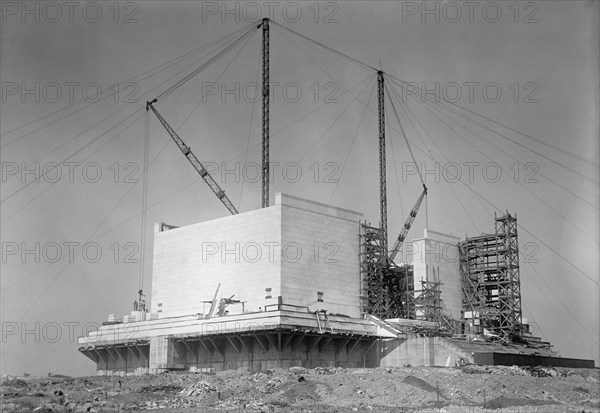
406, 389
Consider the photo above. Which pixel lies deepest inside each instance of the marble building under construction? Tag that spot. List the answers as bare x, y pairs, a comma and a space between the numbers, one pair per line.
300, 283
288, 285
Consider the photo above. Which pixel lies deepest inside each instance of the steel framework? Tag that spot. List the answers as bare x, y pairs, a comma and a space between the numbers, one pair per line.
429, 306
489, 266
265, 113
382, 164
386, 288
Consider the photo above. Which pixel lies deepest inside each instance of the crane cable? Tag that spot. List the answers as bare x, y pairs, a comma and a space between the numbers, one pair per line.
76, 250
332, 50
407, 111
561, 301
481, 197
315, 143
124, 84
137, 112
519, 183
223, 52
144, 200
351, 146
501, 150
561, 150
472, 120
412, 155
204, 66
249, 132
101, 121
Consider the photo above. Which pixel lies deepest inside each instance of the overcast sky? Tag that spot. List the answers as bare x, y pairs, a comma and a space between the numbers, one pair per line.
532, 66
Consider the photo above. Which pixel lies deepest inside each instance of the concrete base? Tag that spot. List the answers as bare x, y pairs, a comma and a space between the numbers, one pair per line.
254, 341
119, 358
257, 351
282, 349
161, 354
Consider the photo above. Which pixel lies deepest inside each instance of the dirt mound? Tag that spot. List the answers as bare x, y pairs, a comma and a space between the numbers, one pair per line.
406, 389
298, 392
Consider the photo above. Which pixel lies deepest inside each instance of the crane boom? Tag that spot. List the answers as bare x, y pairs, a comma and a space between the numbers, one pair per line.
186, 150
409, 221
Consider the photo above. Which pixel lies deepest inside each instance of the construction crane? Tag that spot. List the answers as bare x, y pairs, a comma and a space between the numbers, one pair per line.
186, 150
409, 221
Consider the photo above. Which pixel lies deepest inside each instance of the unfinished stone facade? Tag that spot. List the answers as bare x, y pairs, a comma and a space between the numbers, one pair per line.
274, 287
281, 287
435, 259
302, 251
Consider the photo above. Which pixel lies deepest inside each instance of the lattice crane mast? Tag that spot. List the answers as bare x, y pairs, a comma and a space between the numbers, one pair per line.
186, 150
409, 221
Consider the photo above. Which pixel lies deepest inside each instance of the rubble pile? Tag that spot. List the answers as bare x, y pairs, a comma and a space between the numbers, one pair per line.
322, 389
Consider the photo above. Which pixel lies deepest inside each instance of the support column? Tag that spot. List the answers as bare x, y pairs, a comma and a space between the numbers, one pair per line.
161, 354
265, 114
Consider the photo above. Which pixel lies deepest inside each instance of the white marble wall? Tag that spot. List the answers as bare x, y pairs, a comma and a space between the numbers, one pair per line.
296, 248
435, 258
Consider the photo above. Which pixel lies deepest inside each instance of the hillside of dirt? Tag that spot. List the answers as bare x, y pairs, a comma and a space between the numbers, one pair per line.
406, 389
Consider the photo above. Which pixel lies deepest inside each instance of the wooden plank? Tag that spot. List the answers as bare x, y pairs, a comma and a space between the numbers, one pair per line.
323, 343
264, 347
238, 349
91, 354
131, 349
187, 346
345, 345
205, 347
271, 340
215, 346
97, 351
314, 345
244, 344
299, 341
288, 340
114, 352
354, 345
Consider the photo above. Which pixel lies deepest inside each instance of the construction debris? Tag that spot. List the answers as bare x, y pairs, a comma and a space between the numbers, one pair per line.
414, 389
